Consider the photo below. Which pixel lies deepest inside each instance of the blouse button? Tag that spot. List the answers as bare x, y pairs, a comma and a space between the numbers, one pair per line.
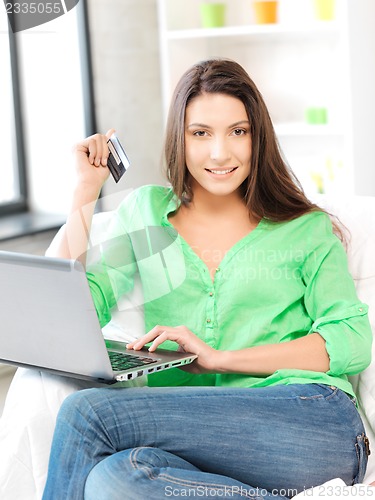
360, 309
211, 294
208, 320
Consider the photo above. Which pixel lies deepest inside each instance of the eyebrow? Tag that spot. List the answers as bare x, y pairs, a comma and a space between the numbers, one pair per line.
203, 125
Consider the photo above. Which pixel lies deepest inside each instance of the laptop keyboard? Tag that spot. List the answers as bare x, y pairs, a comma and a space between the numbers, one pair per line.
121, 361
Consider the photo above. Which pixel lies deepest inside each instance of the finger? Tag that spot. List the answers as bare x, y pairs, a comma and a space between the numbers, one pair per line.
149, 337
99, 150
139, 343
91, 146
110, 132
105, 151
131, 344
95, 149
169, 333
105, 146
160, 339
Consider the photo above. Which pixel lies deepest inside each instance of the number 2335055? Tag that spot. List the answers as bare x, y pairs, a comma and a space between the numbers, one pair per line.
34, 8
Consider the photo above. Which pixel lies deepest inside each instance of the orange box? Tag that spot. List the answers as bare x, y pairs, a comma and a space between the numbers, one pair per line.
265, 11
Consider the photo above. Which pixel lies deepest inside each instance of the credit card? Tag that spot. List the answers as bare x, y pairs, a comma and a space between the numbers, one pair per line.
117, 162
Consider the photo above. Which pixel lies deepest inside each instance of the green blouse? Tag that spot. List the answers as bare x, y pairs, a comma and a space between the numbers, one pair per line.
280, 282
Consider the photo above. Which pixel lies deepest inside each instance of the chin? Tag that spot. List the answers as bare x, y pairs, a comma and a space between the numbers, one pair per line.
223, 192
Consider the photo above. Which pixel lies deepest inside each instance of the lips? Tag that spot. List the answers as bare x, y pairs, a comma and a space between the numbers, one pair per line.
221, 171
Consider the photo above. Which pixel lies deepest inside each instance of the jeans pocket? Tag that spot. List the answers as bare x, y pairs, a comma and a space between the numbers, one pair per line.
362, 448
318, 391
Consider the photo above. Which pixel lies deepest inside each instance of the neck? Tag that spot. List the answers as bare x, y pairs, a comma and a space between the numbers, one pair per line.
210, 204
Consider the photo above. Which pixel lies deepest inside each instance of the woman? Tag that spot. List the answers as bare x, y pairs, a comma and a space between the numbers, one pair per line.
254, 281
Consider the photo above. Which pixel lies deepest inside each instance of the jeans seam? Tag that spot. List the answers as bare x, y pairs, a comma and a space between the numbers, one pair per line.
357, 451
320, 396
334, 392
134, 463
362, 457
316, 396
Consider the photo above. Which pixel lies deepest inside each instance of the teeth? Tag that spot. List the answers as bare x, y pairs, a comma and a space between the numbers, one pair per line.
222, 172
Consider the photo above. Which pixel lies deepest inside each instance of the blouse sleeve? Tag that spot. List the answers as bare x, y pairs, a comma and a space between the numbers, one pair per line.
337, 314
112, 274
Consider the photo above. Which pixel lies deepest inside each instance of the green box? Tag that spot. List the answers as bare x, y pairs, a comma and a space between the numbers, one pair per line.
212, 14
316, 116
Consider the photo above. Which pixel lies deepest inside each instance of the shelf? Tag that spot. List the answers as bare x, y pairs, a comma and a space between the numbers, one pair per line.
297, 63
258, 30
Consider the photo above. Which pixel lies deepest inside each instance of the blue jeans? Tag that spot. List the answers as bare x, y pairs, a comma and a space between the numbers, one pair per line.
207, 442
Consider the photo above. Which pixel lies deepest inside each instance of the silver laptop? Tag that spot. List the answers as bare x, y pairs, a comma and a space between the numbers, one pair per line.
49, 322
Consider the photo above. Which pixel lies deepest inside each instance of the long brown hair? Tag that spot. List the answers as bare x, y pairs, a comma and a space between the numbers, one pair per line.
271, 190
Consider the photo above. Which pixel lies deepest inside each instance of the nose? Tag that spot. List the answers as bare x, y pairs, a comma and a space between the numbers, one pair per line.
220, 152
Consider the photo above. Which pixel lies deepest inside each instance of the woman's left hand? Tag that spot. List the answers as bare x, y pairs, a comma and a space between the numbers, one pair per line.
187, 341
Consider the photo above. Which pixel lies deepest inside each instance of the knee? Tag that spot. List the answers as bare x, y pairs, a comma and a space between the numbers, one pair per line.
152, 459
78, 407
115, 473
97, 486
136, 471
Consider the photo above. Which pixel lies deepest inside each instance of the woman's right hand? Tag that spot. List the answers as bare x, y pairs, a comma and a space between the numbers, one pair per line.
91, 156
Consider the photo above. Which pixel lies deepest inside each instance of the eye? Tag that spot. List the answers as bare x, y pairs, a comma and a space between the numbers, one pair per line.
200, 133
239, 131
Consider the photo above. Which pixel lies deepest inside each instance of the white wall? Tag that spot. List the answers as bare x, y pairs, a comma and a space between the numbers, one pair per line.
126, 65
52, 110
362, 60
125, 52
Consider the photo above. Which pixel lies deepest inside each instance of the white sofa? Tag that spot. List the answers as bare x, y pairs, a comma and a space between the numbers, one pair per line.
27, 424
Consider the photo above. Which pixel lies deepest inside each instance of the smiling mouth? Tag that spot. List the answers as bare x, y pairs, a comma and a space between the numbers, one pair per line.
221, 172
